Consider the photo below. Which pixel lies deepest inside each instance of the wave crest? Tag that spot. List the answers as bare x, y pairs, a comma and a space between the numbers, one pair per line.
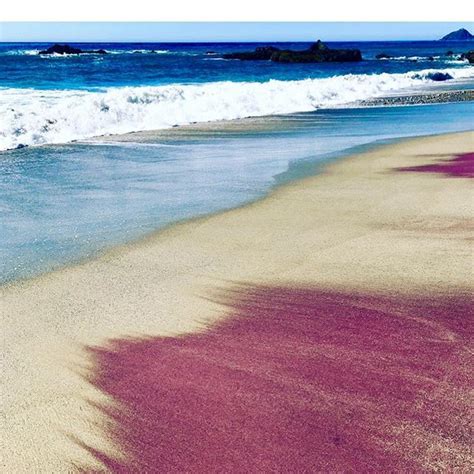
34, 117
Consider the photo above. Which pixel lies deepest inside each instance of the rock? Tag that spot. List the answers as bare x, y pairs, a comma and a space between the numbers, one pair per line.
469, 56
383, 56
458, 35
262, 53
449, 53
440, 76
321, 56
66, 49
317, 53
318, 46
61, 49
430, 58
211, 53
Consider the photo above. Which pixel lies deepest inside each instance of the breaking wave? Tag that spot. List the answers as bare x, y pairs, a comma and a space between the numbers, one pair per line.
35, 117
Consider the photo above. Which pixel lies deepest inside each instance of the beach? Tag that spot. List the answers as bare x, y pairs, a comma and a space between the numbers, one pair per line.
387, 232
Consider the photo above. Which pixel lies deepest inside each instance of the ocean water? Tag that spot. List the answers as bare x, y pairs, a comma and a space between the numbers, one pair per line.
64, 198
57, 99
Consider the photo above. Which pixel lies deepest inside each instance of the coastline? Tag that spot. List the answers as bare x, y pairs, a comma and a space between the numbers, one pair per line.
359, 226
294, 173
73, 235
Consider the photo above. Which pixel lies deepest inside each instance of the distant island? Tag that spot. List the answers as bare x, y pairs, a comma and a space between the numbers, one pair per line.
458, 35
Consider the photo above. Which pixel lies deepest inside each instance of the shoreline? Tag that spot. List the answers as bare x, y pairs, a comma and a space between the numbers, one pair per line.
18, 266
317, 168
281, 180
274, 192
360, 226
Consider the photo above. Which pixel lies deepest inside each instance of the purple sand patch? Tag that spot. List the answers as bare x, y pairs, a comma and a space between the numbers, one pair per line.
461, 166
296, 380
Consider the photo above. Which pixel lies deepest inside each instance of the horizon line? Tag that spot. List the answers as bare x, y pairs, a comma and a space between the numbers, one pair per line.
223, 32
239, 41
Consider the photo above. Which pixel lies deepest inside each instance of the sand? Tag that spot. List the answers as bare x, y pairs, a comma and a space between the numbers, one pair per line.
296, 379
361, 227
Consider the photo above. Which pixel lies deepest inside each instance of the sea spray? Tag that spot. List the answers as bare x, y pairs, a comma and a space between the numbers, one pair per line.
35, 117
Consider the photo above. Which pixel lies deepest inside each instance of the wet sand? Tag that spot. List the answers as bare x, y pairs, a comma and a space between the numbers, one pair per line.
389, 251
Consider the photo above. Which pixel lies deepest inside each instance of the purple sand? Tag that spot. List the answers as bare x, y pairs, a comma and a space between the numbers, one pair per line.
296, 380
461, 166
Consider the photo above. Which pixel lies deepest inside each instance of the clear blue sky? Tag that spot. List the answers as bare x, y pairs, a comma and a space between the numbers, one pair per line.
238, 31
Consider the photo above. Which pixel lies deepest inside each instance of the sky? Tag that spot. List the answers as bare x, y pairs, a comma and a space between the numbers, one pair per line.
222, 31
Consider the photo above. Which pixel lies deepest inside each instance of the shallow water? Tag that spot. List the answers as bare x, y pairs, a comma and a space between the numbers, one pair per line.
63, 203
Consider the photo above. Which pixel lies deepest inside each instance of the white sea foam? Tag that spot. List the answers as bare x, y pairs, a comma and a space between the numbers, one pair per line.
34, 117
20, 52
137, 51
35, 52
446, 59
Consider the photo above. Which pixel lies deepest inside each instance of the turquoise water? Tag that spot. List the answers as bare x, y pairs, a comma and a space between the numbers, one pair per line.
63, 203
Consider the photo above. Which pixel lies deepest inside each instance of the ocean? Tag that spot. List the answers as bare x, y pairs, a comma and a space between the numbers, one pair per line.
56, 99
65, 197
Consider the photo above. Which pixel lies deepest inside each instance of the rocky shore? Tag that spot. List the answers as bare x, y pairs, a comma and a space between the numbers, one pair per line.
420, 99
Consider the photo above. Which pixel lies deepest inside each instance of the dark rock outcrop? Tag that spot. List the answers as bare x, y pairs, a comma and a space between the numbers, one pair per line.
262, 53
439, 76
469, 56
61, 49
316, 53
66, 49
458, 35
